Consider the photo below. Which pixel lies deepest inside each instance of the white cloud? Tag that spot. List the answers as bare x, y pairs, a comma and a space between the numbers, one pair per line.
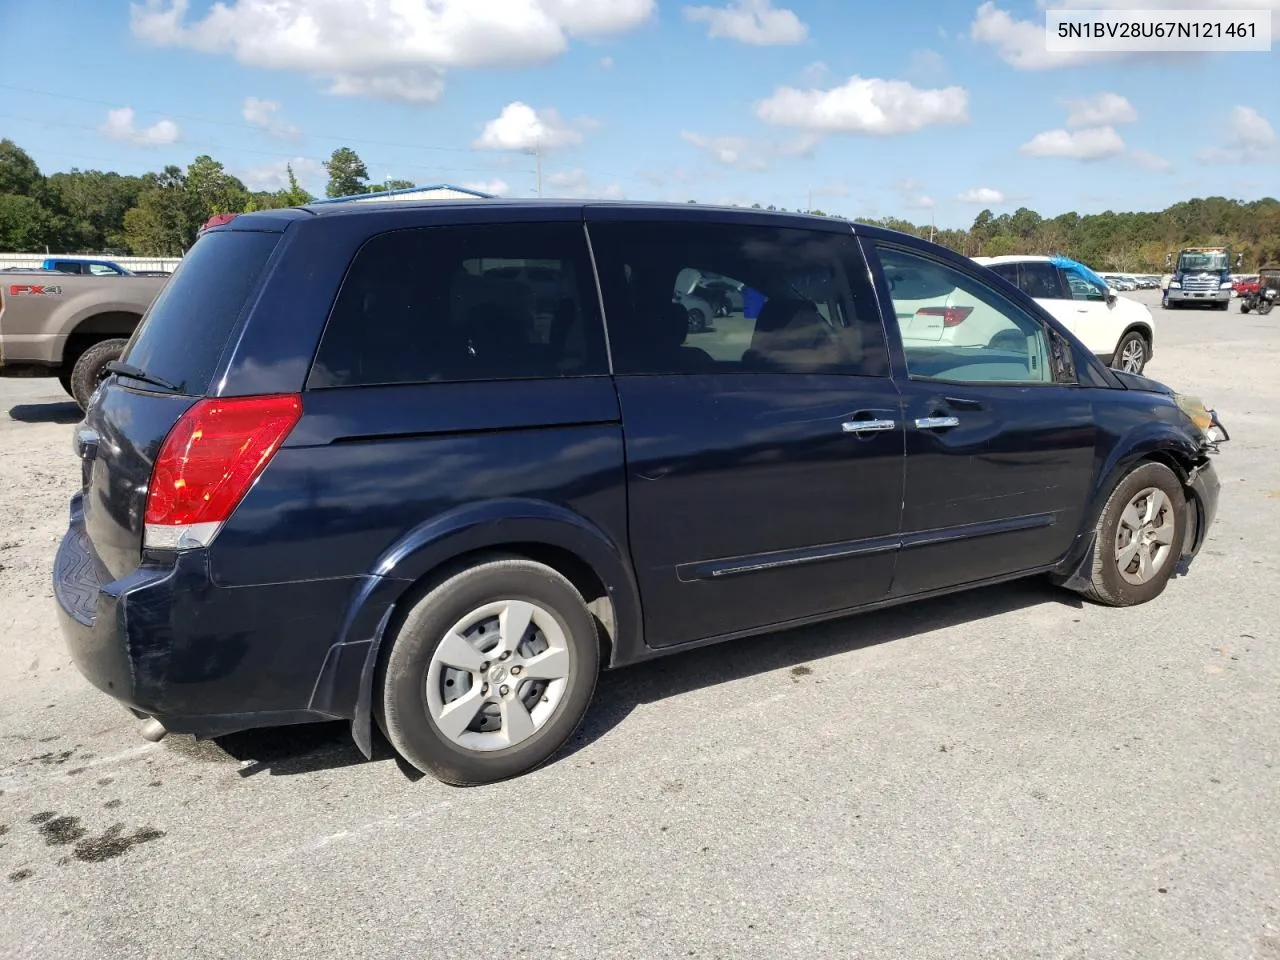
1164, 4
865, 105
520, 127
926, 66
756, 22
606, 63
984, 195
1020, 43
730, 151
1105, 109
913, 195
1091, 143
265, 114
422, 85
815, 72
576, 184
1250, 138
274, 176
385, 48
1150, 161
497, 186
120, 125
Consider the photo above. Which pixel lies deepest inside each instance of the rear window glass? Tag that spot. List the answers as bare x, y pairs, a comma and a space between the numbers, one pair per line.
185, 332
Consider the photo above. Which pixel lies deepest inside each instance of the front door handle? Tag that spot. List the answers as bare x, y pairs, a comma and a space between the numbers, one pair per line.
937, 423
867, 426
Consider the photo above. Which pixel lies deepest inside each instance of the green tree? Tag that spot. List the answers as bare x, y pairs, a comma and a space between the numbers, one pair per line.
347, 173
95, 203
212, 189
18, 172
166, 218
294, 195
24, 224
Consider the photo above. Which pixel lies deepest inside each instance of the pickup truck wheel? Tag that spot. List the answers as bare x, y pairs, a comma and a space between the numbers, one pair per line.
1138, 537
90, 369
490, 673
1131, 353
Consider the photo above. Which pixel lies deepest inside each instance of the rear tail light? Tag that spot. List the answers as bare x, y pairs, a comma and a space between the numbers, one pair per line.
951, 316
208, 462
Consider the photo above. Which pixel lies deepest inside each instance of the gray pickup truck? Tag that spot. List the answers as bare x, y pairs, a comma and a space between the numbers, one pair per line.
68, 326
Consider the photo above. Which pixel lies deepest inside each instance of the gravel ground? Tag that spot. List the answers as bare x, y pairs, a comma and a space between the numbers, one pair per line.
1007, 773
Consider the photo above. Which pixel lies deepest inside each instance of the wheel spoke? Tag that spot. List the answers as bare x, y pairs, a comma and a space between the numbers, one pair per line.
455, 651
1144, 564
517, 725
457, 716
1163, 534
551, 664
514, 623
1157, 504
1131, 519
1124, 556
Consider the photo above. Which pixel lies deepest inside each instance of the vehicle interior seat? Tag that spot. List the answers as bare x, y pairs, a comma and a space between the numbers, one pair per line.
791, 335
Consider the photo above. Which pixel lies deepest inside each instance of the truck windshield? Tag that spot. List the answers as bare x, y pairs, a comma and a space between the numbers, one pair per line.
1210, 262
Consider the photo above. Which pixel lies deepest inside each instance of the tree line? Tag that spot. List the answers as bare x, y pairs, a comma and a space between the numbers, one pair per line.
158, 214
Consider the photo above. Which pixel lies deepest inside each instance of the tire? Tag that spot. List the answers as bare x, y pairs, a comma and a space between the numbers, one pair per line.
1265, 307
1109, 586
697, 320
407, 710
88, 371
1131, 349
1244, 307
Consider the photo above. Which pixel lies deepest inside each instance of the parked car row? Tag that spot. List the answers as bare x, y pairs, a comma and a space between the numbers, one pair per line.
342, 472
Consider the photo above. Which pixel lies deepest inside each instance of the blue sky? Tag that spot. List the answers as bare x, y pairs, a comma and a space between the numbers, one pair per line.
918, 109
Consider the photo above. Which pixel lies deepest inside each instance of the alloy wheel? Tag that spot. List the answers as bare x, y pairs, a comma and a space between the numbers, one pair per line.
498, 675
1144, 536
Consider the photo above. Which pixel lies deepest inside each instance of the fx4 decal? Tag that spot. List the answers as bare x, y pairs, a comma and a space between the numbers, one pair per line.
34, 290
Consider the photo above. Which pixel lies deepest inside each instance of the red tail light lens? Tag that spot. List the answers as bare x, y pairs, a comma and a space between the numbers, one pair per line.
951, 316
209, 461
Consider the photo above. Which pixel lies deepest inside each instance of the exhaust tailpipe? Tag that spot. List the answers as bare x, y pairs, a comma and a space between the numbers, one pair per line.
153, 730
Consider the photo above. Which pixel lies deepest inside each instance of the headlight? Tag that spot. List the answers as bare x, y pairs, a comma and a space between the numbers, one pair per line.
1206, 420
1225, 285
1174, 285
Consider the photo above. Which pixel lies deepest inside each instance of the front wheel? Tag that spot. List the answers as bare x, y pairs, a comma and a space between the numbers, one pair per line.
697, 320
1244, 307
91, 369
1265, 307
1131, 353
489, 673
1138, 537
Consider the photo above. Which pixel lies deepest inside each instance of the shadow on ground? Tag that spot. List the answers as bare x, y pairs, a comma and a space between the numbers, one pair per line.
57, 412
285, 751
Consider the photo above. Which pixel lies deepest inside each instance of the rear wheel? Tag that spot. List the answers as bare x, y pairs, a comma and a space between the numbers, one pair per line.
1131, 353
490, 673
1138, 537
1244, 307
90, 369
1265, 307
697, 320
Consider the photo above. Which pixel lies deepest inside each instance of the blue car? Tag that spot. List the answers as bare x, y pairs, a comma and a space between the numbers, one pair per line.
353, 466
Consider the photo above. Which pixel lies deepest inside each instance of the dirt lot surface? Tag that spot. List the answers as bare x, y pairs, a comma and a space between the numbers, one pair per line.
1008, 773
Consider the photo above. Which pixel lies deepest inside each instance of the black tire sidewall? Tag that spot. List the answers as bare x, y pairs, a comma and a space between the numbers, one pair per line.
404, 716
1117, 589
84, 375
1132, 335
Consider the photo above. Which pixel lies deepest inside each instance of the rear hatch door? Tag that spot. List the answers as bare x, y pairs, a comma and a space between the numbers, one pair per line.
180, 342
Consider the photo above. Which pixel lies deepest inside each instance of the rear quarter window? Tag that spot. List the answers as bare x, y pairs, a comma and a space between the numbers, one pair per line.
183, 335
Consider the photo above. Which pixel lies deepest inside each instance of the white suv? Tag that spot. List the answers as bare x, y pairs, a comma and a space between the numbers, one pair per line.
1119, 330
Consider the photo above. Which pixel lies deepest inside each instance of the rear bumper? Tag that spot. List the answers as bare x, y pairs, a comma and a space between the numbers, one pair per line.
167, 642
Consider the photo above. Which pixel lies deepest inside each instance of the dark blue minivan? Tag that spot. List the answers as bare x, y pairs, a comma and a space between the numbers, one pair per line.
433, 465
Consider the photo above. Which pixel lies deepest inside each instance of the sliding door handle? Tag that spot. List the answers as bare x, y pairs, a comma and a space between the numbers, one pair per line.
868, 426
937, 423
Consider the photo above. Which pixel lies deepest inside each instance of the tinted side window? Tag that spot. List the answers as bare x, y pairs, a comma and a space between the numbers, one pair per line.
451, 303
956, 328
724, 298
1040, 279
1007, 270
183, 335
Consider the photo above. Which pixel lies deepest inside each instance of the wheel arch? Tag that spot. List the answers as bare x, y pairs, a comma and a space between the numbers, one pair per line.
94, 327
1154, 443
544, 532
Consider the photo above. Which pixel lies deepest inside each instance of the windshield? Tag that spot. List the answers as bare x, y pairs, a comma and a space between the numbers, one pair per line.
1210, 262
